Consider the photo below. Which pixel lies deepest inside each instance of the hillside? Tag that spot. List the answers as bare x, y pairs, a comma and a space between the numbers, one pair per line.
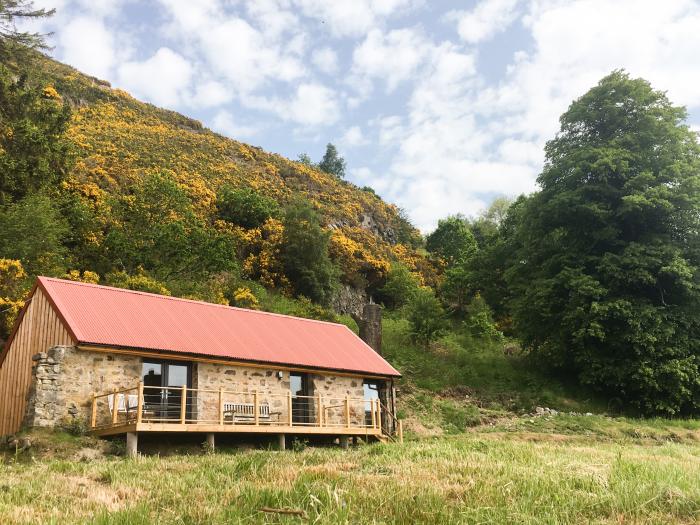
119, 139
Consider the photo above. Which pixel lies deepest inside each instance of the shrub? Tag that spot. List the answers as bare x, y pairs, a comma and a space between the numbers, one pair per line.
245, 207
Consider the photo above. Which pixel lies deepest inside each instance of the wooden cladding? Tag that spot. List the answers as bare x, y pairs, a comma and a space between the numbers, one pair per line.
39, 329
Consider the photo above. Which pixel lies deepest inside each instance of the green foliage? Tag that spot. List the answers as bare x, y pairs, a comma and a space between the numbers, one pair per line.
32, 231
305, 254
305, 160
332, 163
426, 316
452, 240
33, 150
140, 282
155, 229
605, 282
400, 287
14, 43
480, 321
310, 310
245, 207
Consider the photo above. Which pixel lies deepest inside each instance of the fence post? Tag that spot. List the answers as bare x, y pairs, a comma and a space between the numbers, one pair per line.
320, 411
255, 407
115, 406
400, 431
93, 417
221, 405
139, 403
183, 405
289, 409
379, 416
347, 411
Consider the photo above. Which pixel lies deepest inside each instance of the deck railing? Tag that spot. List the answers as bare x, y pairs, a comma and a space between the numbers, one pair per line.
201, 406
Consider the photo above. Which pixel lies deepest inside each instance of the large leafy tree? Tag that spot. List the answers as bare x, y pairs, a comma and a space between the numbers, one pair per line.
452, 240
307, 264
606, 278
245, 207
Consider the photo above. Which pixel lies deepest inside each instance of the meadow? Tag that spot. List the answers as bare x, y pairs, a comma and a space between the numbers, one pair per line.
560, 469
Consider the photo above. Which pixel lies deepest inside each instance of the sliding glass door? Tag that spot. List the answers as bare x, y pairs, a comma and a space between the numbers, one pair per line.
162, 388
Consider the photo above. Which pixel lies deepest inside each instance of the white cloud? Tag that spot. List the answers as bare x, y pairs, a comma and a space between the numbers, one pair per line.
393, 57
209, 94
225, 124
88, 45
487, 19
162, 79
351, 18
325, 59
312, 104
353, 137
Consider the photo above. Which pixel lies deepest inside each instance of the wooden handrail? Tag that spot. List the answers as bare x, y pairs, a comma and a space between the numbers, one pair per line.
139, 403
183, 405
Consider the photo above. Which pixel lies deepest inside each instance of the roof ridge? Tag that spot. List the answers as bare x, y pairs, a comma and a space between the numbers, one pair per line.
182, 299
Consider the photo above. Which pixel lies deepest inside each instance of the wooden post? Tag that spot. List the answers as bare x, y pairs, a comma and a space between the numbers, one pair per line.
344, 442
320, 411
255, 407
183, 405
93, 417
115, 406
211, 445
347, 411
373, 409
132, 444
379, 416
139, 403
400, 431
282, 442
289, 409
221, 405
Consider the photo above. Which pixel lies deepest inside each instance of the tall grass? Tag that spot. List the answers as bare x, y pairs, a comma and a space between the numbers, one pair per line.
472, 478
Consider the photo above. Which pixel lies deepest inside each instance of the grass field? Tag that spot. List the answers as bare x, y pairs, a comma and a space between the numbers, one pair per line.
564, 469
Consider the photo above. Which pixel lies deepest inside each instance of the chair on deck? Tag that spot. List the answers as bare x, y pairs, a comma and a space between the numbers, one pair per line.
126, 404
245, 413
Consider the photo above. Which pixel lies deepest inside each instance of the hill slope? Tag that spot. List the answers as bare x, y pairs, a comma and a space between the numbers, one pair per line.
118, 139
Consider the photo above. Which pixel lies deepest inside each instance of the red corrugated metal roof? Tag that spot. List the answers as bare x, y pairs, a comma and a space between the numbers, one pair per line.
102, 315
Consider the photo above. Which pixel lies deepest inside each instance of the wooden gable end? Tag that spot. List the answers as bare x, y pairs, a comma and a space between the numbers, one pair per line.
38, 328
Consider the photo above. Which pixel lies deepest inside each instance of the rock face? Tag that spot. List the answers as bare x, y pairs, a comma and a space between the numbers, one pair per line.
349, 300
370, 324
46, 394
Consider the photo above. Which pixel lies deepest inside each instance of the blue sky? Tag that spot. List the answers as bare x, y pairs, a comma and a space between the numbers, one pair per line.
438, 105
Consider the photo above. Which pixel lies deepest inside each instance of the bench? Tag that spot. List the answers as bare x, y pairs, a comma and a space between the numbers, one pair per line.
245, 412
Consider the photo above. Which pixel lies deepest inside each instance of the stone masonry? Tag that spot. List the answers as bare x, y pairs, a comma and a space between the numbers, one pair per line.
65, 378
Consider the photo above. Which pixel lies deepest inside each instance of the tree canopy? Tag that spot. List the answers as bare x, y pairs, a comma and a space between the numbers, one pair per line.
452, 240
332, 162
605, 281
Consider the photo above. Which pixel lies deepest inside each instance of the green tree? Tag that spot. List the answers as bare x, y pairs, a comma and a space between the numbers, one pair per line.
14, 42
34, 152
332, 162
401, 285
307, 264
245, 207
452, 240
155, 229
304, 159
33, 231
606, 280
426, 317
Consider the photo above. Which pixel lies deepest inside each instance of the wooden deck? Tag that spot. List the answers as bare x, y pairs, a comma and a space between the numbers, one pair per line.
187, 410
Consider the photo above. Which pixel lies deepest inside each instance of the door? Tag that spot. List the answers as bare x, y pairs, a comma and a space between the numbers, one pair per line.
162, 388
371, 389
301, 406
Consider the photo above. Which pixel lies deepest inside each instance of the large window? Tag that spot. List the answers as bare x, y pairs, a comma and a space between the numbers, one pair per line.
371, 388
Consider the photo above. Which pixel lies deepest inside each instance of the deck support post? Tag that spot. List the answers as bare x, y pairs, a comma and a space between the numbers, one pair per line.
344, 442
282, 442
132, 444
355, 441
210, 441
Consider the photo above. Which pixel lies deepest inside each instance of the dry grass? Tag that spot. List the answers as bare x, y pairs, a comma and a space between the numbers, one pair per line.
482, 477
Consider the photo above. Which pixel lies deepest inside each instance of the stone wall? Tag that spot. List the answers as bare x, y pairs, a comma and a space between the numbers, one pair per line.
65, 378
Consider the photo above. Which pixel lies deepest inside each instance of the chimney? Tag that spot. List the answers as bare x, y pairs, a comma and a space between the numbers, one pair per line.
371, 326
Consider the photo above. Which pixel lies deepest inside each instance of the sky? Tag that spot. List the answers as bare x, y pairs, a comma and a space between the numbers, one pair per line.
438, 105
